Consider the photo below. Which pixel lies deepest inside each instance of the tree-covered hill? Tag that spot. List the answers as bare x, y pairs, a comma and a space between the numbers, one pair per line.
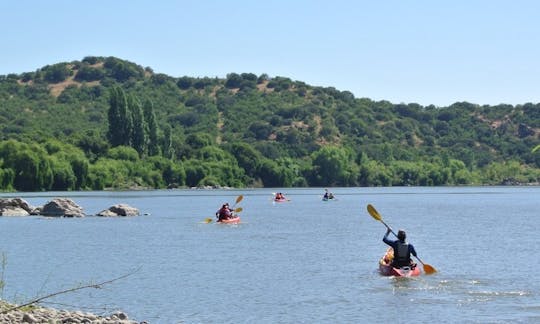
105, 122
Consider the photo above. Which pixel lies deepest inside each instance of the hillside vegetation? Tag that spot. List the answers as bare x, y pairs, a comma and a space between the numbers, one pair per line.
104, 122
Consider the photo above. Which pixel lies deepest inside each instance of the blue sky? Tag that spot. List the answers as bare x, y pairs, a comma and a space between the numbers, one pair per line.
425, 52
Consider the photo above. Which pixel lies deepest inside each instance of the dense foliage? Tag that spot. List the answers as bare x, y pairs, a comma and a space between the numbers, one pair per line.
104, 122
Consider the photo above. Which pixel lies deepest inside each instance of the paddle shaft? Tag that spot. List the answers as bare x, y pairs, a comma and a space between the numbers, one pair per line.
388, 227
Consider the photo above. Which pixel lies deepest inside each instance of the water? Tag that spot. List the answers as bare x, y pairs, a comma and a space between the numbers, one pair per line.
303, 261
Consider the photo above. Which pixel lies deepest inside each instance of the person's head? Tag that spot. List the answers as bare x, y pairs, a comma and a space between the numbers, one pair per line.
225, 205
401, 235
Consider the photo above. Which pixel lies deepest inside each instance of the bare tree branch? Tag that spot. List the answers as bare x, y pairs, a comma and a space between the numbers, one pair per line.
96, 286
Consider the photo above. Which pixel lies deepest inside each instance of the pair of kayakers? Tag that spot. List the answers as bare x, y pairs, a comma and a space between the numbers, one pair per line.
402, 249
224, 212
328, 195
279, 196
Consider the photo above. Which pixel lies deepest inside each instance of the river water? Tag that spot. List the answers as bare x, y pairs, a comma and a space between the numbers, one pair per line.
302, 261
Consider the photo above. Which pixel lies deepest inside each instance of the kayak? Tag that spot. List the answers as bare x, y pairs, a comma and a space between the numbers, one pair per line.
387, 270
327, 199
234, 220
281, 199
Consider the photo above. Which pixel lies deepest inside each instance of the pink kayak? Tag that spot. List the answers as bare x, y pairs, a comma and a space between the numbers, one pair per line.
387, 270
234, 220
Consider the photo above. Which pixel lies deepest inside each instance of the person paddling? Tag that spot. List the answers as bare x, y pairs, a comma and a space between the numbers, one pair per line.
402, 249
224, 212
328, 195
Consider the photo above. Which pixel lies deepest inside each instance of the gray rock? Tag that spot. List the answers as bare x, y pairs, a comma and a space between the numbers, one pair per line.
15, 207
62, 207
119, 210
13, 211
29, 318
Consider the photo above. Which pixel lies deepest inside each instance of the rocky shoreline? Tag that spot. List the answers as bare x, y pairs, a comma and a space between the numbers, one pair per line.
59, 207
37, 314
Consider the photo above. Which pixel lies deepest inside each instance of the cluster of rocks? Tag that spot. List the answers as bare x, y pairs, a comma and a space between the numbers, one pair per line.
36, 314
59, 207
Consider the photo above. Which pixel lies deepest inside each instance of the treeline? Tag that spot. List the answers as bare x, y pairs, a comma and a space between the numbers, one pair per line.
107, 123
53, 165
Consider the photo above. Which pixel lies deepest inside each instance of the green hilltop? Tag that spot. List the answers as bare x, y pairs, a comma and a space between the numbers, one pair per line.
104, 122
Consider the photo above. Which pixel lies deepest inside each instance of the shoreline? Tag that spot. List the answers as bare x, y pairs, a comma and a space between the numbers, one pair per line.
39, 314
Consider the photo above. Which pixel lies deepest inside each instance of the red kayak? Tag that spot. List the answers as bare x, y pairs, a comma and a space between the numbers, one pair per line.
387, 270
281, 199
234, 220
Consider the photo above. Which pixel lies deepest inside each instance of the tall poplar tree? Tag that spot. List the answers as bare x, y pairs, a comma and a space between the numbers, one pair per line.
120, 120
126, 120
151, 128
113, 133
168, 150
139, 138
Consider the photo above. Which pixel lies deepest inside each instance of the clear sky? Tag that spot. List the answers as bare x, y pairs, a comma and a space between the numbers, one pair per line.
425, 52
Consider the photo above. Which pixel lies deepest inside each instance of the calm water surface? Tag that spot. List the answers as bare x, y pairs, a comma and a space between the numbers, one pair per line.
304, 261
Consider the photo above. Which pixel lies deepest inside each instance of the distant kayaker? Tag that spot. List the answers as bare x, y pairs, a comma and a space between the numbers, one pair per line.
328, 195
224, 212
279, 196
402, 249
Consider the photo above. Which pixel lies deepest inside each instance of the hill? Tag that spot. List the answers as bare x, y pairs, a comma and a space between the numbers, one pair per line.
245, 130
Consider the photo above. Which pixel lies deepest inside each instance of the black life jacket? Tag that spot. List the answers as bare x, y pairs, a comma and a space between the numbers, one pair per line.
402, 255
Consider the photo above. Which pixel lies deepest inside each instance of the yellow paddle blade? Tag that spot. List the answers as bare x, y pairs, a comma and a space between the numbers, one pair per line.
208, 220
373, 212
239, 199
429, 269
239, 209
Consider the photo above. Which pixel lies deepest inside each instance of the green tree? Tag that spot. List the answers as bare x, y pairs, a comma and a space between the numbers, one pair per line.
334, 165
167, 147
248, 158
31, 165
151, 128
120, 120
139, 135
56, 73
63, 176
88, 74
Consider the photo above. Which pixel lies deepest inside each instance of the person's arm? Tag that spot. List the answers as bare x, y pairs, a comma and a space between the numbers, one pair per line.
386, 240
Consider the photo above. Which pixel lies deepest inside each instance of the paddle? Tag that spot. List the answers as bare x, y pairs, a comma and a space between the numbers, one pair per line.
238, 199
428, 269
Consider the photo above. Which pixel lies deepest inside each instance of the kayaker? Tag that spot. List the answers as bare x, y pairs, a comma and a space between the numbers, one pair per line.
224, 212
279, 196
328, 195
402, 249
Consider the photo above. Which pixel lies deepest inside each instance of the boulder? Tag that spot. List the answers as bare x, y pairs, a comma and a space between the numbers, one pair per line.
62, 207
119, 210
15, 207
13, 211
